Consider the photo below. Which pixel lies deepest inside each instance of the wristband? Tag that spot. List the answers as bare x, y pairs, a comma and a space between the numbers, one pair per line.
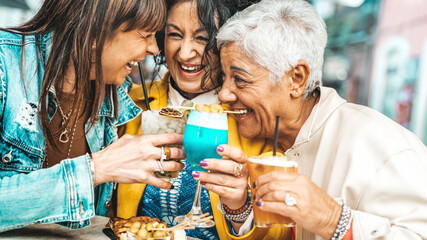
237, 215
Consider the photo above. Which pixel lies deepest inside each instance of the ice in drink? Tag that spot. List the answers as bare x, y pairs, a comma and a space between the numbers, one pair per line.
259, 166
153, 123
203, 133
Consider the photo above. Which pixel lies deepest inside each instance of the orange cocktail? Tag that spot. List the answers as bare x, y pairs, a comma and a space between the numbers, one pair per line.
259, 166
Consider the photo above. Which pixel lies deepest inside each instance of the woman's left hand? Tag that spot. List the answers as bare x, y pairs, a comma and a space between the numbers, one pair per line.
314, 210
228, 177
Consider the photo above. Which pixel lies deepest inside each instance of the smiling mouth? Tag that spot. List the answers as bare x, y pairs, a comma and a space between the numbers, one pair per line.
243, 112
131, 64
191, 69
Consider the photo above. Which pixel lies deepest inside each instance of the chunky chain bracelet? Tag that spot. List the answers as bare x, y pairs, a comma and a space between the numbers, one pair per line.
344, 224
237, 215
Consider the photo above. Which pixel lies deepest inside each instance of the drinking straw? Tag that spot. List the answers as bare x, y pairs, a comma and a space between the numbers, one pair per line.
144, 88
276, 134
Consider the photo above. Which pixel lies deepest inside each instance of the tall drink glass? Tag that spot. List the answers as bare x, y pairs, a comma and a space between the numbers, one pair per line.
203, 133
154, 123
259, 166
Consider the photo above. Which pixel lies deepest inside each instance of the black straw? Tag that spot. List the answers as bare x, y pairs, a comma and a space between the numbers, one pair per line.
144, 88
276, 134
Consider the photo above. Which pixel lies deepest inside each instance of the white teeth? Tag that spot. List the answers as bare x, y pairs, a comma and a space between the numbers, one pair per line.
192, 68
133, 63
243, 111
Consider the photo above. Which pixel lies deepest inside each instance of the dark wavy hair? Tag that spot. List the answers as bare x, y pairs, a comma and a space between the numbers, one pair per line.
212, 15
77, 26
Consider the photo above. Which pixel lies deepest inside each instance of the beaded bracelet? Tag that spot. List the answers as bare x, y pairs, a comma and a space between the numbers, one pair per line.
237, 215
343, 224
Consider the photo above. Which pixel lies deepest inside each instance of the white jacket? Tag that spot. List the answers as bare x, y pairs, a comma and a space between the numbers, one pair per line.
361, 157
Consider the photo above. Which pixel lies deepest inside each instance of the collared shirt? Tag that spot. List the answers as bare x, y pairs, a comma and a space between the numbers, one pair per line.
175, 99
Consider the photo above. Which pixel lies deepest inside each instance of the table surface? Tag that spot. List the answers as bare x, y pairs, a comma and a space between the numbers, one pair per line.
55, 231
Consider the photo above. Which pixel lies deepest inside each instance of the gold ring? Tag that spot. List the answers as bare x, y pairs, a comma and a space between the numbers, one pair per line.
167, 152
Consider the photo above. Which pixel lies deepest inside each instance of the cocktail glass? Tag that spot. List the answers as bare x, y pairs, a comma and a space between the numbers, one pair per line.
154, 123
203, 133
259, 166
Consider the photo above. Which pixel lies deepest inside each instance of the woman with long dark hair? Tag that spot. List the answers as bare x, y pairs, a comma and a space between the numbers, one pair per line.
63, 93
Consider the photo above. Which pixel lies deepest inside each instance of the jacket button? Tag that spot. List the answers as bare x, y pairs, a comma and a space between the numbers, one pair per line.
108, 204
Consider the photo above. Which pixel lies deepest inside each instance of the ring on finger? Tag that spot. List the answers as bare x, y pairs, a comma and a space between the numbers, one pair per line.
160, 164
163, 155
238, 170
290, 201
166, 151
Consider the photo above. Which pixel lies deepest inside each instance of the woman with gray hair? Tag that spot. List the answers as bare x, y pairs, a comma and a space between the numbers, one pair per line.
360, 173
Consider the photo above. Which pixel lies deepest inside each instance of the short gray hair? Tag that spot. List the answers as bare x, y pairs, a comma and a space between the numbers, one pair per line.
277, 34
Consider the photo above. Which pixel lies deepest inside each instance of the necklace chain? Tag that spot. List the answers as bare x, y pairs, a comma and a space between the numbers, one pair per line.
74, 130
65, 118
63, 137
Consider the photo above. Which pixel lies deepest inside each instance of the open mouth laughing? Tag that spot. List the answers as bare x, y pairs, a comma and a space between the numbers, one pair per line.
131, 64
189, 68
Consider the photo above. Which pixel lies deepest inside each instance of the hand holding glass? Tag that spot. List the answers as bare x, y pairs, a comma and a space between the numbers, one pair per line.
203, 133
154, 123
259, 166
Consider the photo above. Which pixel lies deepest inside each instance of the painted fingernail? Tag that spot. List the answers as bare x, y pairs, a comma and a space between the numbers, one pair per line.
172, 187
195, 174
254, 185
254, 197
220, 149
203, 183
203, 163
259, 203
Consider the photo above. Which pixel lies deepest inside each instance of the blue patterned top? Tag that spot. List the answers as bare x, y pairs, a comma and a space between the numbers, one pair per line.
167, 204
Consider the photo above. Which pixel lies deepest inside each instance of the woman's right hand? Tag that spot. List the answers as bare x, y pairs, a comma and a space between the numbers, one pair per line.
133, 159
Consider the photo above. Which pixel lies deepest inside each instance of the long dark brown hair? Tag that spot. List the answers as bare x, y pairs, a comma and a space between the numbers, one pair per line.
212, 15
77, 26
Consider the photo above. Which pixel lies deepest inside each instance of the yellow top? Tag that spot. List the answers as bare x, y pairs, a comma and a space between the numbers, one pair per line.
129, 195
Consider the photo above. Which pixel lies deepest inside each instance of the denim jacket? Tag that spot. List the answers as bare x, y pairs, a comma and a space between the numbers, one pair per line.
63, 193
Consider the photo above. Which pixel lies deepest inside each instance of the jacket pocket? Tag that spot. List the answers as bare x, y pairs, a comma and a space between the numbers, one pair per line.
16, 156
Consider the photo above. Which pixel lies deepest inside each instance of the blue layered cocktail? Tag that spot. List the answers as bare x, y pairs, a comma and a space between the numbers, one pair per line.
203, 133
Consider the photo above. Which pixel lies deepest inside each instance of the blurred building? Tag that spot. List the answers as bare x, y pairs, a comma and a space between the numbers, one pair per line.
398, 84
377, 56
351, 26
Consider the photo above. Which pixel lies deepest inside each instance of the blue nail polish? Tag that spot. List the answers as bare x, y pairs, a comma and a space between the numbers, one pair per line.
259, 203
254, 185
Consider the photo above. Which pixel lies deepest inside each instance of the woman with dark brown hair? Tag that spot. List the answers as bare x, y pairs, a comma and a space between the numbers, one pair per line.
63, 92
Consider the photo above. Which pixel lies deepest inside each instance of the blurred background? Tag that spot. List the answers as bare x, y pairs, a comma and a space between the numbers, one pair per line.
376, 54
